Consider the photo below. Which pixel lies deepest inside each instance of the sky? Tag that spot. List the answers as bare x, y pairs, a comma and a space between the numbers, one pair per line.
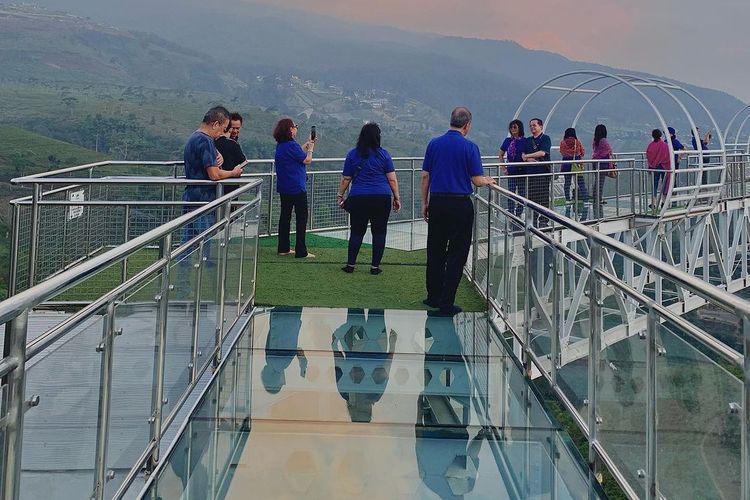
703, 42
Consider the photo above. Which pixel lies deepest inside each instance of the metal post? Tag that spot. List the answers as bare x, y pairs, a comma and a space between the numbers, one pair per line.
160, 351
474, 243
106, 348
195, 348
221, 291
412, 186
270, 202
489, 246
617, 195
125, 237
745, 421
34, 243
506, 300
632, 186
651, 404
595, 315
13, 271
255, 251
88, 211
311, 210
527, 285
16, 381
706, 250
557, 292
242, 261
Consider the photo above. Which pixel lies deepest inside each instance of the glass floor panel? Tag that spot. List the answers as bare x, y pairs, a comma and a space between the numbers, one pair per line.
326, 403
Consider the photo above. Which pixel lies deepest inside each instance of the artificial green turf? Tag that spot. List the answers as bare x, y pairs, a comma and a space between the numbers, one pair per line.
319, 282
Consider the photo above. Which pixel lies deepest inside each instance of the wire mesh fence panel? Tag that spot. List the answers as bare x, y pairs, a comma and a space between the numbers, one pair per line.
322, 199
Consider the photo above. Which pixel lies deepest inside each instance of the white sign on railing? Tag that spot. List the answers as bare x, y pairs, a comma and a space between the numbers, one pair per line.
75, 211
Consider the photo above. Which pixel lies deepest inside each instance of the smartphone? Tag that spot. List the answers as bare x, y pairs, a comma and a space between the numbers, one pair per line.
313, 133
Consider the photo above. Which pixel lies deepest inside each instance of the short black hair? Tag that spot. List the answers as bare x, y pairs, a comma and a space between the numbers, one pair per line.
570, 132
541, 122
216, 114
235, 117
460, 117
656, 134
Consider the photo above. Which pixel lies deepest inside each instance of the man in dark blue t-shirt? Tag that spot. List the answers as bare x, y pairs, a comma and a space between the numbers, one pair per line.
676, 146
537, 149
203, 162
452, 166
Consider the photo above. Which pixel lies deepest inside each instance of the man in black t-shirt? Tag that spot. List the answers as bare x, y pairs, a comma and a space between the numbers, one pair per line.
230, 149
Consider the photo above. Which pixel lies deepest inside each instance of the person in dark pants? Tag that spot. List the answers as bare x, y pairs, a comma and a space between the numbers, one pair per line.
291, 161
451, 165
601, 150
369, 171
203, 162
537, 149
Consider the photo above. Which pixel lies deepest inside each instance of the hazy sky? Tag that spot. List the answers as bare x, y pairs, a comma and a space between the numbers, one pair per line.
698, 41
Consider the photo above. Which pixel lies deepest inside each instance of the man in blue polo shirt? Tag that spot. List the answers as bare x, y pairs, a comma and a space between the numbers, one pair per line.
452, 164
203, 162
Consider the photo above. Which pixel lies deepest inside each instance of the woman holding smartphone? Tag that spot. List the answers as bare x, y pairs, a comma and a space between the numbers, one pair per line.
291, 161
370, 172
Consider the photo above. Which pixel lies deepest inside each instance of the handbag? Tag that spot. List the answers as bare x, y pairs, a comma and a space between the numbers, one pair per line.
577, 167
347, 203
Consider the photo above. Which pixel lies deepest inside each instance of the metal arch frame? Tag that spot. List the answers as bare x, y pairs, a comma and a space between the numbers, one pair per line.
722, 143
633, 82
741, 127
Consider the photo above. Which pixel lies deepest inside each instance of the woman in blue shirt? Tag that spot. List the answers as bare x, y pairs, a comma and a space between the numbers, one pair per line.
291, 161
370, 172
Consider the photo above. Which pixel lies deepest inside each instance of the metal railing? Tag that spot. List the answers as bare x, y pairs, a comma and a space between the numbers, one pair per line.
165, 321
650, 389
76, 213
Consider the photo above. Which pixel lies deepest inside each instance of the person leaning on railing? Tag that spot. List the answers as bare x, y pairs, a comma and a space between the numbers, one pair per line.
291, 161
370, 172
451, 165
203, 162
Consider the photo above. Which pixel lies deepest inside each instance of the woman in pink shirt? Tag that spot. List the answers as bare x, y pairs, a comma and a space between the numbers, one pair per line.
657, 155
601, 150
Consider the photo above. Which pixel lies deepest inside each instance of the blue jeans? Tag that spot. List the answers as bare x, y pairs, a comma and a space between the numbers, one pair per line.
583, 193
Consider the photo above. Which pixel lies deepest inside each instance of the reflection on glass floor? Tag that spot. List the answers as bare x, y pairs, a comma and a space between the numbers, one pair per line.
327, 403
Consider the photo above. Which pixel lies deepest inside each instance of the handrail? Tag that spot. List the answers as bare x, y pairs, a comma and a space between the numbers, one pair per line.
712, 293
16, 304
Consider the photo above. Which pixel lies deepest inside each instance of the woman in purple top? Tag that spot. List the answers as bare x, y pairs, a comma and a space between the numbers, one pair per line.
511, 151
291, 161
601, 151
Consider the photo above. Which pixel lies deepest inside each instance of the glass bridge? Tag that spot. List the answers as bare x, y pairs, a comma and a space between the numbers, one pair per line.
140, 359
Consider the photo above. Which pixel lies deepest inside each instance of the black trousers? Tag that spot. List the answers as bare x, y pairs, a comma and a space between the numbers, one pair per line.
539, 192
298, 203
449, 228
373, 210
